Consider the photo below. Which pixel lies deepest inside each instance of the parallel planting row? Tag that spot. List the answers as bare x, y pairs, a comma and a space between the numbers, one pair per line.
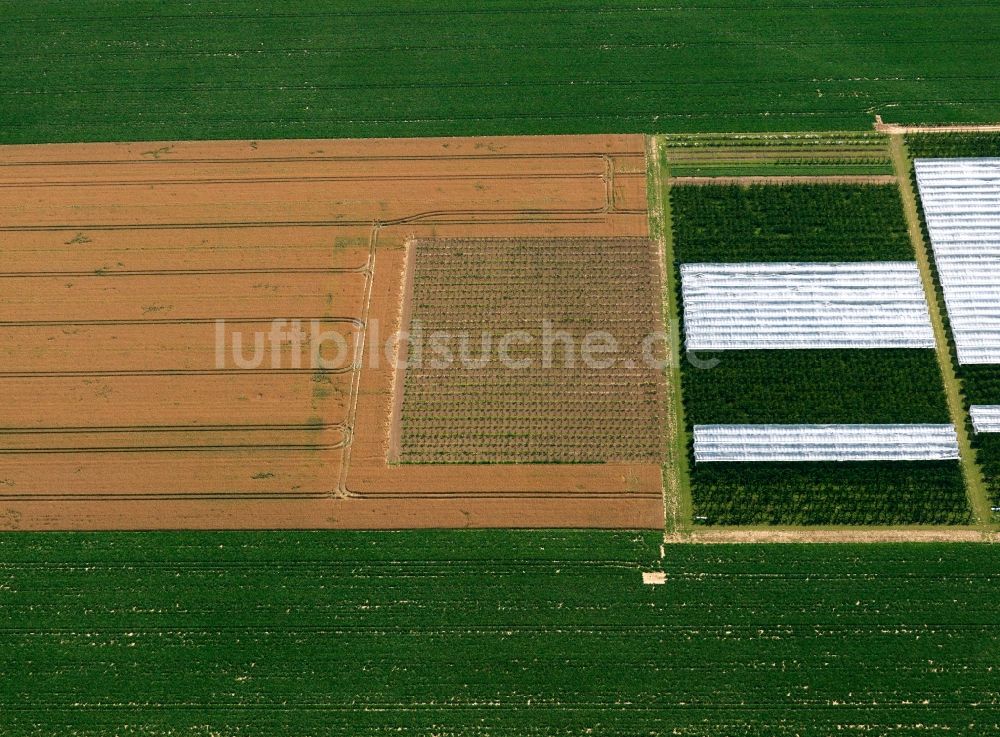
812, 226
778, 154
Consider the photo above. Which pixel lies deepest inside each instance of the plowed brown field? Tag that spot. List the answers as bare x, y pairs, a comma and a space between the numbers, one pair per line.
117, 260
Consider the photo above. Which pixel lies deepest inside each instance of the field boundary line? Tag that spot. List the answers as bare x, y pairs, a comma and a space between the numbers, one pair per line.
654, 199
394, 158
784, 179
402, 354
677, 484
974, 483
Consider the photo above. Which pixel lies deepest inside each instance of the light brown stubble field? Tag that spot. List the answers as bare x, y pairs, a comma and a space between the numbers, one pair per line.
118, 258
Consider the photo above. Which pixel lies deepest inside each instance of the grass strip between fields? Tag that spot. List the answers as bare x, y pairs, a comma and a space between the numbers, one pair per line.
676, 473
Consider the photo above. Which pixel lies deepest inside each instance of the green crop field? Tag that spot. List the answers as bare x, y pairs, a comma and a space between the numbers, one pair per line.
156, 69
491, 633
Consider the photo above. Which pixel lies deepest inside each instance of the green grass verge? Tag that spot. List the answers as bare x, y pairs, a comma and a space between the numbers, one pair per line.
811, 222
155, 70
677, 478
500, 633
815, 386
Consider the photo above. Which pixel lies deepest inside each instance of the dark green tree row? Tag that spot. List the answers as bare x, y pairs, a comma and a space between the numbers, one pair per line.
860, 386
981, 385
987, 448
880, 386
813, 493
946, 145
733, 224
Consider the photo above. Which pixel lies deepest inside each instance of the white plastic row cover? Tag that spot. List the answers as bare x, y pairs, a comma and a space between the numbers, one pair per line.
961, 201
985, 417
755, 443
804, 305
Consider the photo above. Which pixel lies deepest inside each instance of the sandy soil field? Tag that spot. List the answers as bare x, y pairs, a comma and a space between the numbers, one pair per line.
118, 261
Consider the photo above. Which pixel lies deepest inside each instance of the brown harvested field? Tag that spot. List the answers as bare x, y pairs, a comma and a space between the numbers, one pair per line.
118, 259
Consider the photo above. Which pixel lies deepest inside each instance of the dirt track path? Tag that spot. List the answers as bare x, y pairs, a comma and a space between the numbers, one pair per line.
676, 479
856, 535
901, 130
